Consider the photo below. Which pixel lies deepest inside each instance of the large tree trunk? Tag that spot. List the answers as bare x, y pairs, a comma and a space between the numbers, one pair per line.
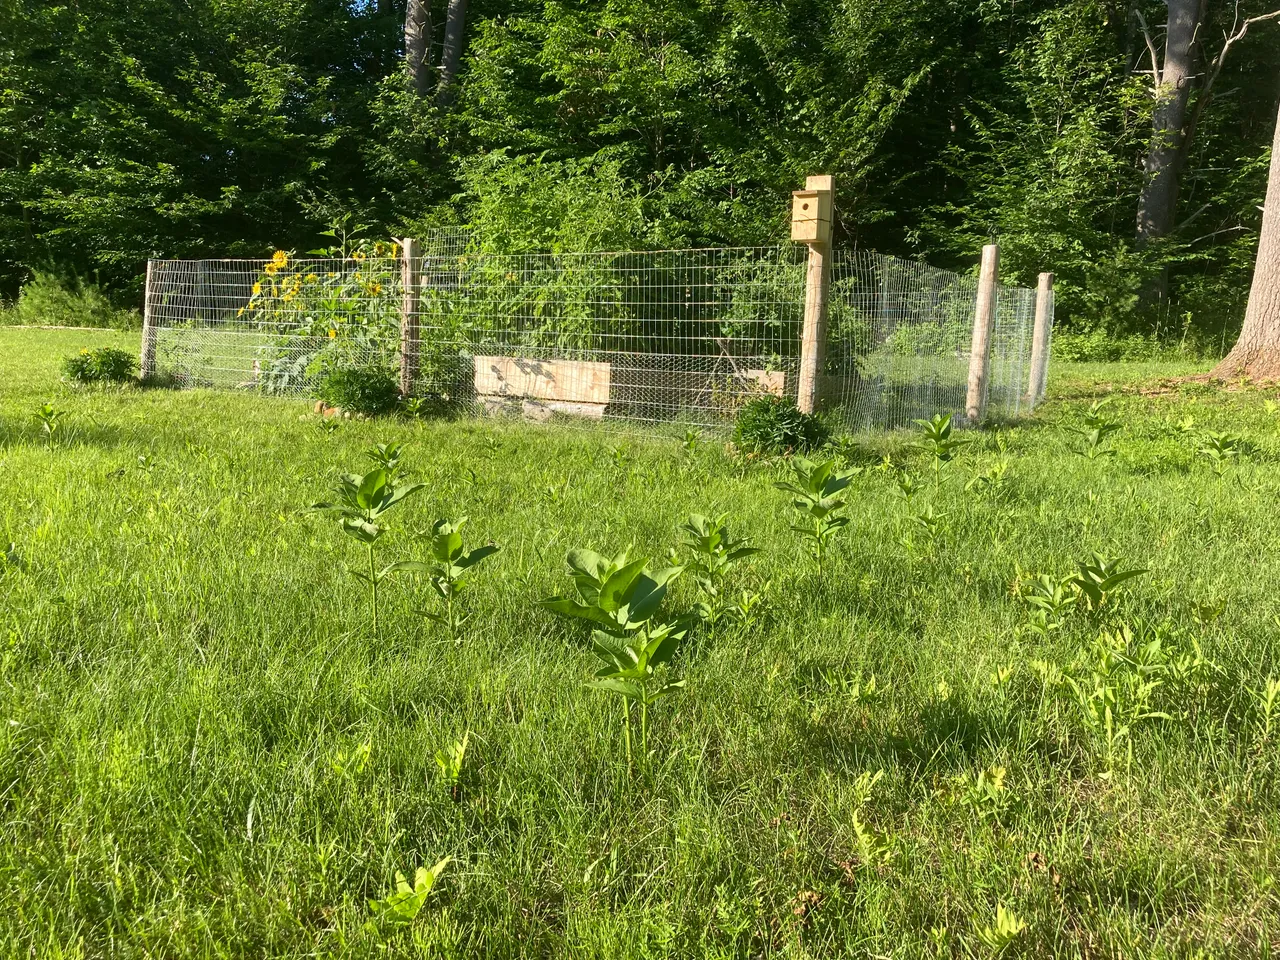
452, 55
1163, 165
417, 44
1257, 352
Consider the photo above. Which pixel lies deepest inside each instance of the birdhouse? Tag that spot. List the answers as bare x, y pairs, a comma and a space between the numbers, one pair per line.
811, 215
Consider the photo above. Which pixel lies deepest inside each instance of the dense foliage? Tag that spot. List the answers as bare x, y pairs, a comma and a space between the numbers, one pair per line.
234, 127
367, 389
774, 425
100, 365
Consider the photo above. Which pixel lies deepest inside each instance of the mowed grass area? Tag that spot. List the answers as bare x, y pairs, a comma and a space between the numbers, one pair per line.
187, 674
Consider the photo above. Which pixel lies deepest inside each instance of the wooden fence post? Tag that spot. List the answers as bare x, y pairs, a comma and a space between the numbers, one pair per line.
1040, 339
812, 211
975, 407
410, 254
147, 356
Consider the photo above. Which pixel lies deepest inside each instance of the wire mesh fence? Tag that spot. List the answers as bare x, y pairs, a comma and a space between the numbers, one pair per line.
682, 337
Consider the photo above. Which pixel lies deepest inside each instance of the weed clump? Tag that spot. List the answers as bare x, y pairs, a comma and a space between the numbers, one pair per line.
103, 365
370, 390
775, 425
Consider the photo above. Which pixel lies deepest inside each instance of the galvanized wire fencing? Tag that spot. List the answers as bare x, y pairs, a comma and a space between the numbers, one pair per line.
681, 337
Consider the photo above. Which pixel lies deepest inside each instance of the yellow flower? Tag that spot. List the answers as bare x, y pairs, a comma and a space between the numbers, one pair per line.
358, 256
257, 288
280, 259
332, 334
270, 269
379, 249
240, 312
312, 278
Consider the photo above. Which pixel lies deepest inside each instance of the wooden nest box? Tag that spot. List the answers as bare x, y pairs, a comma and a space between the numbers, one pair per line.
811, 211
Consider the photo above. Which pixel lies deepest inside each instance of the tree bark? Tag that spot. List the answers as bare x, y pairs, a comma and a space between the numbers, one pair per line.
417, 44
1257, 352
1162, 167
452, 56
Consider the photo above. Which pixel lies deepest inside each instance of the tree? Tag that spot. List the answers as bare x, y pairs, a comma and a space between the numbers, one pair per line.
1182, 73
451, 56
1257, 351
417, 44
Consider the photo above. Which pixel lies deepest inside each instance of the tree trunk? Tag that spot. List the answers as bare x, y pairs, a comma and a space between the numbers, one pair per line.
452, 55
1158, 201
417, 44
1257, 352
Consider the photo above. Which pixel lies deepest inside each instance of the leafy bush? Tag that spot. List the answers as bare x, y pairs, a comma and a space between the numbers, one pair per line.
775, 425
368, 390
103, 365
47, 301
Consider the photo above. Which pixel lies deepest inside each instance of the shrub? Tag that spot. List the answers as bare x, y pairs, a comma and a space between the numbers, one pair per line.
46, 300
369, 390
103, 365
775, 425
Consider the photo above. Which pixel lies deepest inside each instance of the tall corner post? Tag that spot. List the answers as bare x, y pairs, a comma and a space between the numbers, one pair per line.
410, 269
1040, 340
812, 211
984, 318
147, 356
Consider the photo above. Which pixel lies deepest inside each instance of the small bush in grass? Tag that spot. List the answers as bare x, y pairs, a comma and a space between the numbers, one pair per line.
368, 390
47, 300
103, 365
775, 425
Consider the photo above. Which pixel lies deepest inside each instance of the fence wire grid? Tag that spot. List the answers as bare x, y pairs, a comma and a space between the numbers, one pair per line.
681, 337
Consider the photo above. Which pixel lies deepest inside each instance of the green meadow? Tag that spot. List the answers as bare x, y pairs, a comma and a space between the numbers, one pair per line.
1028, 707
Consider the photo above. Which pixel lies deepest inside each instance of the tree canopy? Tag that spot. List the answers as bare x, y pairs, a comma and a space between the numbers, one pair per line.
231, 127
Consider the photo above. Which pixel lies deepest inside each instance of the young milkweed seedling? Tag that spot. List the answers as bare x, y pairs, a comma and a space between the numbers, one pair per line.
819, 490
1098, 427
621, 596
1099, 577
450, 759
1221, 450
402, 906
388, 456
940, 442
449, 561
715, 551
361, 505
50, 421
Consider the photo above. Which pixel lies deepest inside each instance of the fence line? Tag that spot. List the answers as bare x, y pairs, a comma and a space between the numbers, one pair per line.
668, 336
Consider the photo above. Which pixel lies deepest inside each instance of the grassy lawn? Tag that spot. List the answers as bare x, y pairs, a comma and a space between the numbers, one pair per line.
188, 679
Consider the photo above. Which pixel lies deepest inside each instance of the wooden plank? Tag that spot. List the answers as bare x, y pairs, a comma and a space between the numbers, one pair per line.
571, 381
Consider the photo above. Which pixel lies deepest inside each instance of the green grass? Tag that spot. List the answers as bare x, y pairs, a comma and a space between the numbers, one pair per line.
183, 657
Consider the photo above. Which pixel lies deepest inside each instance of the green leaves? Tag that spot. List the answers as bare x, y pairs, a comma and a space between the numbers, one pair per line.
1098, 428
1099, 577
50, 420
939, 439
622, 596
449, 562
362, 500
819, 490
619, 594
402, 906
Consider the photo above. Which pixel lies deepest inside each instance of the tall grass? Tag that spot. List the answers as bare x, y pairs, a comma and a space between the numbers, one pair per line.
186, 674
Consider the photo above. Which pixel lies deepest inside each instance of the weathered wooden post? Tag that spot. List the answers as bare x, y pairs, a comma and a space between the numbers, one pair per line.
410, 268
984, 317
811, 213
147, 357
1040, 339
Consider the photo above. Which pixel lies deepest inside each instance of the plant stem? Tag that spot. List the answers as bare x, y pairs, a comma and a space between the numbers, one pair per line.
626, 728
373, 587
